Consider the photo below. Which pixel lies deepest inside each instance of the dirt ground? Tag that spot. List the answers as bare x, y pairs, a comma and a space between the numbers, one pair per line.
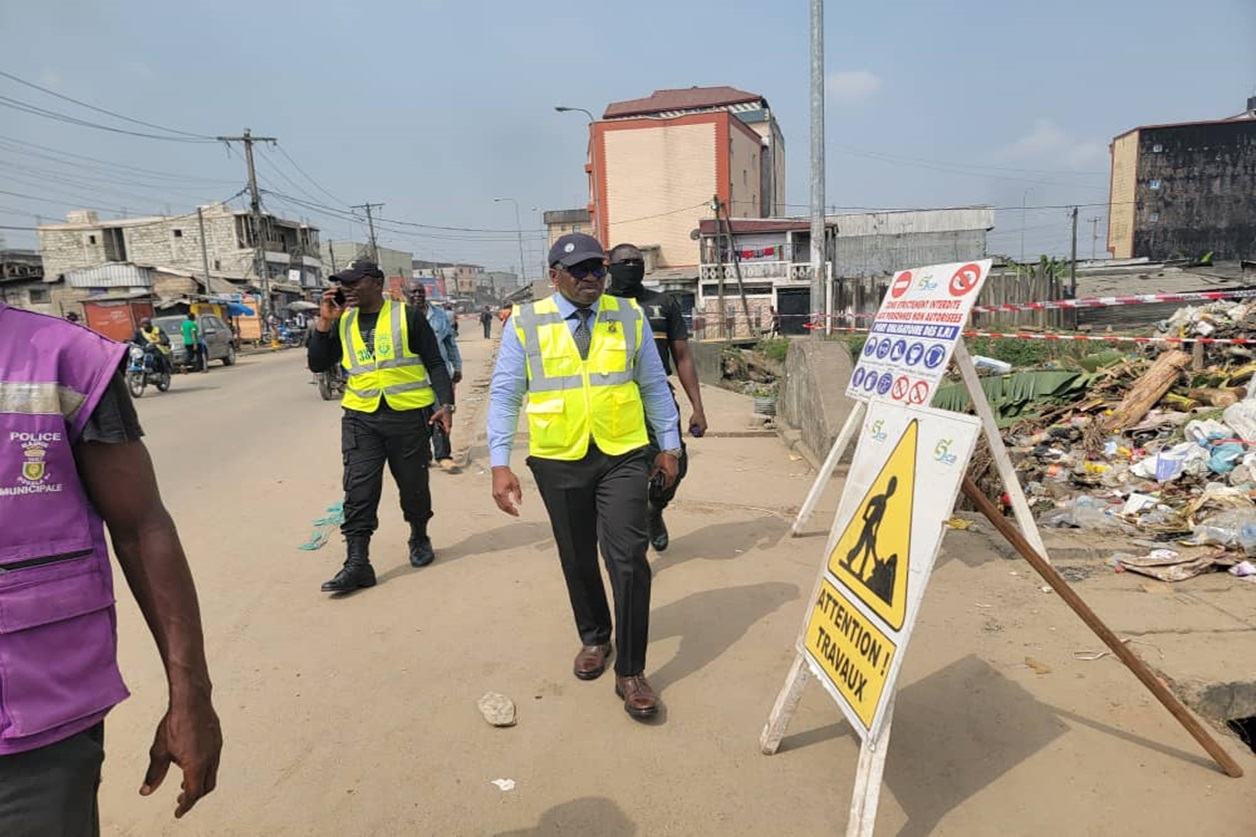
357, 716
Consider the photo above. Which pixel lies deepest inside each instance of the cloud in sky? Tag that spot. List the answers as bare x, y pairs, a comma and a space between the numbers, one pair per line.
1047, 142
853, 87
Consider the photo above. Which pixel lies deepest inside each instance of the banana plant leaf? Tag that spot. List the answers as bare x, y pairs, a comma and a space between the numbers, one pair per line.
1014, 397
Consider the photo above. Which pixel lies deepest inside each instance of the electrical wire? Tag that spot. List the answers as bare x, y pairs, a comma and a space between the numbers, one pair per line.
72, 120
63, 97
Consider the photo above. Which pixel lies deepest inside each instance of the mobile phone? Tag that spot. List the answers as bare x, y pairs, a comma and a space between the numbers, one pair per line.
339, 297
695, 431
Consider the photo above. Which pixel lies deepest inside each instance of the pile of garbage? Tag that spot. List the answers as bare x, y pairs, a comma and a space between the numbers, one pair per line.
1157, 447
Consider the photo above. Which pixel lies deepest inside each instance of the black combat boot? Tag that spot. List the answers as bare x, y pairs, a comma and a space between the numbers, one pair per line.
421, 553
357, 571
659, 538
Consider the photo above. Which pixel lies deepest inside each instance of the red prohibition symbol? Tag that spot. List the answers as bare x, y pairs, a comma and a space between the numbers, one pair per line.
965, 279
901, 283
899, 392
919, 391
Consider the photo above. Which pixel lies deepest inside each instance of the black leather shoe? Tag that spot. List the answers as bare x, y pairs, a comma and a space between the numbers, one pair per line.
658, 531
351, 577
421, 552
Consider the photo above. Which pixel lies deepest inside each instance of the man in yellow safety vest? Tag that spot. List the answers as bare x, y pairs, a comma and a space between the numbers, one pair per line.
586, 366
395, 375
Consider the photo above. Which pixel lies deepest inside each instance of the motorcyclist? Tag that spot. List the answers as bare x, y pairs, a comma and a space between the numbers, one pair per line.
149, 335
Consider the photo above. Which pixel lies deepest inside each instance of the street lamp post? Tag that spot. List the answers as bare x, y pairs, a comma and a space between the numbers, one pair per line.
523, 269
597, 205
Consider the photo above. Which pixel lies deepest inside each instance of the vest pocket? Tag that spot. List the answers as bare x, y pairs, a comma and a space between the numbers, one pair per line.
545, 424
58, 645
628, 413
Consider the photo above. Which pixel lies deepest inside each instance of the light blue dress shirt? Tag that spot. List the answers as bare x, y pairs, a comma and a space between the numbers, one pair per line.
438, 319
510, 385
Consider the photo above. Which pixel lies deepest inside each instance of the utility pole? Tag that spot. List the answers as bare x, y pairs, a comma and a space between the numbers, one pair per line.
732, 248
200, 220
255, 205
370, 225
1072, 265
817, 164
1094, 237
523, 270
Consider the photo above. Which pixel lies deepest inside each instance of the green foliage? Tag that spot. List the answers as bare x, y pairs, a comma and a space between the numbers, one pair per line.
1015, 397
774, 349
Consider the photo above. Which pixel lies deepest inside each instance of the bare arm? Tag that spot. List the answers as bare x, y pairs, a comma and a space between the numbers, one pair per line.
120, 481
687, 371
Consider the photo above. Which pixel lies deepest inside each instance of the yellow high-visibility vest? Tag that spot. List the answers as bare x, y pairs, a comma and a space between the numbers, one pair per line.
390, 370
571, 400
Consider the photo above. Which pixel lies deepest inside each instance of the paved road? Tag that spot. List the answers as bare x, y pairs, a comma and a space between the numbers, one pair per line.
357, 716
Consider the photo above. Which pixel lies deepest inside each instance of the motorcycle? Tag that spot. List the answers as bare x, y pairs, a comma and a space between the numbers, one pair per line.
144, 368
331, 383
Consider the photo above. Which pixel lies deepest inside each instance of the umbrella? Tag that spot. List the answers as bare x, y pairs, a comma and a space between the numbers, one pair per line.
302, 305
235, 309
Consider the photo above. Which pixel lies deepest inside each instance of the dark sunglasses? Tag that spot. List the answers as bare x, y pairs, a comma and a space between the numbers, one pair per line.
579, 271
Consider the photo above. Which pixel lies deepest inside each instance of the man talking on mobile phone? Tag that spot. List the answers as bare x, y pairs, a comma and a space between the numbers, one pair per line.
395, 375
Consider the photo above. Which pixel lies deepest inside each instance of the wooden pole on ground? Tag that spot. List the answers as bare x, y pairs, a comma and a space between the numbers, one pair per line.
1119, 648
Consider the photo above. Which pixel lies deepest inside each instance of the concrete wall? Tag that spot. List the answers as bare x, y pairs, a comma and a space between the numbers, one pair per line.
1196, 191
1124, 152
744, 171
652, 172
812, 397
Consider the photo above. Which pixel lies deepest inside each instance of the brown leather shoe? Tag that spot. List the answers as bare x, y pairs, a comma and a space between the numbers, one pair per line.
640, 700
591, 661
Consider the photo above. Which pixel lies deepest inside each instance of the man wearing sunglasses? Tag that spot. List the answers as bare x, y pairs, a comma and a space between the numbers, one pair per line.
583, 364
671, 336
395, 377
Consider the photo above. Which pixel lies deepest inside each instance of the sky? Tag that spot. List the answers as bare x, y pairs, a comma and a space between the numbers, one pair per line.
435, 108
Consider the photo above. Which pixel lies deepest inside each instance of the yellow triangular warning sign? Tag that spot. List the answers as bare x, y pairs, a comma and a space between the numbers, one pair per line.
872, 555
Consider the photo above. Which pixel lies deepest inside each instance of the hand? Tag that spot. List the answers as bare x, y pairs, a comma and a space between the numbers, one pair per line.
698, 422
457, 379
328, 310
189, 736
506, 491
668, 466
444, 417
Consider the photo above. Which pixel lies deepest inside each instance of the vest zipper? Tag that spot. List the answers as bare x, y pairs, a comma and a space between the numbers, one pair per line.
47, 559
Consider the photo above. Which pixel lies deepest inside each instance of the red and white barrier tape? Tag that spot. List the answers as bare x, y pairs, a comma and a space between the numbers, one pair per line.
1088, 338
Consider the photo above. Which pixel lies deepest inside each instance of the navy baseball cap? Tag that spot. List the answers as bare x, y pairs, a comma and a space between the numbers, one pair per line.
356, 272
574, 248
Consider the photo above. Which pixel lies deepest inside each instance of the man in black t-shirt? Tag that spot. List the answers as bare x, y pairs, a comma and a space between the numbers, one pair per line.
671, 336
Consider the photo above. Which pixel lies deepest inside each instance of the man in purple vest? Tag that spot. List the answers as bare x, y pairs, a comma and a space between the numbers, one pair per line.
71, 464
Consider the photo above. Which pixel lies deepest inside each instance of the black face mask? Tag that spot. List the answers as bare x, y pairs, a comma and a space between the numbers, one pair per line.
626, 279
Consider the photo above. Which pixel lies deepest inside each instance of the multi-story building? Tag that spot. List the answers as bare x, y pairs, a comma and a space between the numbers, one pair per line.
658, 162
1185, 191
560, 222
22, 281
290, 247
772, 258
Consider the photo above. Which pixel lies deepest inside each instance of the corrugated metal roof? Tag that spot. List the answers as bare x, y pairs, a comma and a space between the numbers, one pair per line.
118, 275
689, 98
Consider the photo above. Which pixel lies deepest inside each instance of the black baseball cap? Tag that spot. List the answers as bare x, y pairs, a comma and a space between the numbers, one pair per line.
574, 248
356, 272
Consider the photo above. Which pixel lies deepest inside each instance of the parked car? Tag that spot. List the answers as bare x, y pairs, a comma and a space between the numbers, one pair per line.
219, 341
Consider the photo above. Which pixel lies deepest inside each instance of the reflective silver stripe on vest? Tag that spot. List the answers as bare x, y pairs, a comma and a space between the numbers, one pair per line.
412, 386
530, 322
395, 362
363, 393
40, 399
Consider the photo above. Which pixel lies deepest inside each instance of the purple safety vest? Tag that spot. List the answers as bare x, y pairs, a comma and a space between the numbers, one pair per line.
58, 629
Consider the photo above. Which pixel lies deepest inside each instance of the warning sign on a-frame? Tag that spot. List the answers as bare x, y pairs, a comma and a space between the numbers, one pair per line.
901, 489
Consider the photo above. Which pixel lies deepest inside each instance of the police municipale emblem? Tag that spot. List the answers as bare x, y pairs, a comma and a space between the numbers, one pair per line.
33, 468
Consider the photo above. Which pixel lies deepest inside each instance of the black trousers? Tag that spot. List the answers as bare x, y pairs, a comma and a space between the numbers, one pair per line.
660, 499
488, 329
51, 792
601, 501
368, 441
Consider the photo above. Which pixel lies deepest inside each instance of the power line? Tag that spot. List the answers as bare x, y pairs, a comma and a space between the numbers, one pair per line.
295, 165
115, 115
43, 152
26, 107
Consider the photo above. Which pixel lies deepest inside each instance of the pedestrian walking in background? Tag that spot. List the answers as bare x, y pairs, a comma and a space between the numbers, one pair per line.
671, 337
395, 375
438, 319
486, 320
592, 383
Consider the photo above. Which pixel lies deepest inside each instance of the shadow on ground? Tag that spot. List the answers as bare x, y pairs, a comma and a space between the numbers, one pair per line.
723, 541
708, 623
590, 815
